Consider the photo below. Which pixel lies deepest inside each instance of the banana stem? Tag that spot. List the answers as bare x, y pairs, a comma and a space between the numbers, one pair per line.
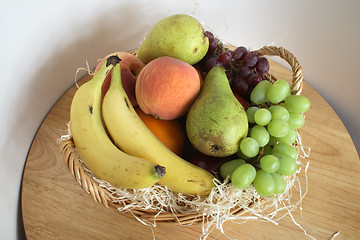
116, 77
99, 77
160, 171
112, 60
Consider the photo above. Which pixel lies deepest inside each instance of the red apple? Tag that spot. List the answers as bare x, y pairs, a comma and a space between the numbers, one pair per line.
130, 69
166, 87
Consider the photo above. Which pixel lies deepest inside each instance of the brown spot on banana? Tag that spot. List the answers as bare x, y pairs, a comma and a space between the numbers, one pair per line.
126, 102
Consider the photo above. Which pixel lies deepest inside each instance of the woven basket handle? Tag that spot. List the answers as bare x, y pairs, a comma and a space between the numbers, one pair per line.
70, 158
297, 79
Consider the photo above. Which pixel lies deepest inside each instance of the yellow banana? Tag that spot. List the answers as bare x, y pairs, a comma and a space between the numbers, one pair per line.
94, 146
132, 136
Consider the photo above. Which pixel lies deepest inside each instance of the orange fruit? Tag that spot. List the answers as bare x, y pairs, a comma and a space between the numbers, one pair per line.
169, 132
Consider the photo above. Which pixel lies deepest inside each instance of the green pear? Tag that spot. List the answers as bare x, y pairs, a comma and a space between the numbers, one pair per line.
216, 121
179, 36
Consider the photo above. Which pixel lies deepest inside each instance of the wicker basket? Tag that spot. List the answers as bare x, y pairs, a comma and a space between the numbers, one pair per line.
103, 195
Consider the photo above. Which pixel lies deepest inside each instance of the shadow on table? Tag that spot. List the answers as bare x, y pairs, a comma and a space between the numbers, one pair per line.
121, 29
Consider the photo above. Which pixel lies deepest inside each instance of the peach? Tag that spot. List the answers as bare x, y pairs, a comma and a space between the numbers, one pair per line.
130, 69
166, 87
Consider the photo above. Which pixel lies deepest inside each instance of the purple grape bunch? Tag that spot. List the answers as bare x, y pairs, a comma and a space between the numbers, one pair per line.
244, 68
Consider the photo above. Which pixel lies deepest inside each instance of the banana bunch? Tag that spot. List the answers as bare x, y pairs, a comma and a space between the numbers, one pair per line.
137, 159
94, 146
132, 136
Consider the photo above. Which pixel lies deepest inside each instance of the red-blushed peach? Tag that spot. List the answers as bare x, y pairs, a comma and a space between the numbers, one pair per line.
130, 69
166, 87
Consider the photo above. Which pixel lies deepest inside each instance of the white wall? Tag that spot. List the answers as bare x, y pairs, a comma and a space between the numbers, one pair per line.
42, 43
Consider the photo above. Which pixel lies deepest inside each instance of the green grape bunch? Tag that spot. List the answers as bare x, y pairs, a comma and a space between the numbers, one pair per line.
268, 153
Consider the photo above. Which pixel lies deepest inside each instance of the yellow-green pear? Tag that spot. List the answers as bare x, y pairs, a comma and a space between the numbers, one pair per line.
216, 121
179, 36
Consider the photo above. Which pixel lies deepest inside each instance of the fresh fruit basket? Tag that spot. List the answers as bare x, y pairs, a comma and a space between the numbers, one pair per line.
123, 164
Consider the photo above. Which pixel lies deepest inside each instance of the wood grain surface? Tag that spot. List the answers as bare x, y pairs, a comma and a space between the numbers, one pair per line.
54, 206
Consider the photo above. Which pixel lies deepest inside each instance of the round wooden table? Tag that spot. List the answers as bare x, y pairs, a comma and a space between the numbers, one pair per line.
54, 205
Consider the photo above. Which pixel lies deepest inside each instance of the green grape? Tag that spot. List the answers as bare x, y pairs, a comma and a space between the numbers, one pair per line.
278, 128
282, 104
243, 176
250, 114
287, 149
264, 183
290, 138
253, 161
258, 94
260, 134
272, 140
267, 150
269, 163
280, 184
288, 165
226, 169
241, 155
249, 147
279, 112
296, 120
278, 91
297, 103
262, 117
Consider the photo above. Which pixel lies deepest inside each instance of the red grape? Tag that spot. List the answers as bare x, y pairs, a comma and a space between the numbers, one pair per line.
225, 57
212, 45
240, 86
239, 53
230, 76
210, 35
219, 48
211, 62
262, 66
250, 59
254, 79
244, 71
